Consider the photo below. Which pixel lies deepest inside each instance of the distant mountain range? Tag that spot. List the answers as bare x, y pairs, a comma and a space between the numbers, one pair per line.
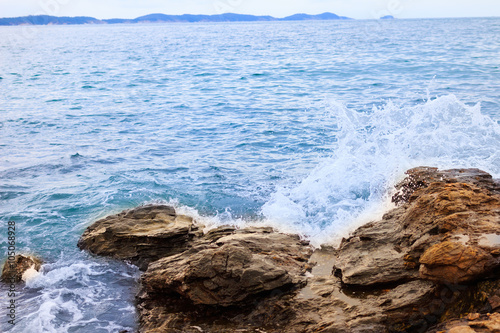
156, 18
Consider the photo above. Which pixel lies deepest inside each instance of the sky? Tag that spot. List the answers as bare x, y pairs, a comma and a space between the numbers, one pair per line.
358, 9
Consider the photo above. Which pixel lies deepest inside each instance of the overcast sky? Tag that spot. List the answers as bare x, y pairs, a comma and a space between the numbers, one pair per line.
359, 9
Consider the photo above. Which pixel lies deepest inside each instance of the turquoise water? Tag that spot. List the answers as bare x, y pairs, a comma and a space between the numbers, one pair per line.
304, 126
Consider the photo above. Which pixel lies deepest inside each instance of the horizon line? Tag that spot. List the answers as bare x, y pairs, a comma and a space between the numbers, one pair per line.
254, 15
120, 18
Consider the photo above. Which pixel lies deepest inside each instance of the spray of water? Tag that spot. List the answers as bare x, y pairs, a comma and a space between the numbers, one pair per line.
374, 150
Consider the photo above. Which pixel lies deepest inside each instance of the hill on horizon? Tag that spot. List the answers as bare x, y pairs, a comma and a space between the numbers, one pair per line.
158, 18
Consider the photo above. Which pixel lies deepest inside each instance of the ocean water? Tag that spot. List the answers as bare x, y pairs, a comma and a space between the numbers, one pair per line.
304, 126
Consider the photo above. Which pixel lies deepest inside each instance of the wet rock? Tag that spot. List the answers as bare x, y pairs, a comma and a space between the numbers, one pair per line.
20, 268
435, 207
231, 269
452, 262
421, 177
407, 294
140, 235
462, 300
461, 329
491, 323
372, 256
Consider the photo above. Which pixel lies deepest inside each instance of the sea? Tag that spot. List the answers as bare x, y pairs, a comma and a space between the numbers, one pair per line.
303, 126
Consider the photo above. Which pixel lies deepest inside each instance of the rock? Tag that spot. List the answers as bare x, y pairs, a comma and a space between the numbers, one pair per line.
473, 316
486, 323
452, 262
235, 267
461, 329
319, 307
462, 300
140, 235
372, 256
20, 268
408, 294
423, 176
494, 301
435, 207
492, 323
426, 266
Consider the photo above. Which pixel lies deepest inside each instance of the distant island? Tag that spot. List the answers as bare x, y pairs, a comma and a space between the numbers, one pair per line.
158, 18
387, 17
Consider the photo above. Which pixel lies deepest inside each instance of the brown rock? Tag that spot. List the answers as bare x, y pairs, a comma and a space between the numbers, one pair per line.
372, 256
473, 316
486, 323
492, 324
13, 270
435, 206
236, 267
494, 302
451, 262
421, 177
461, 329
140, 235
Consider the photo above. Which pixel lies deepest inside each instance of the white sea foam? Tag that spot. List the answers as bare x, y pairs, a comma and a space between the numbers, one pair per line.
75, 296
79, 272
374, 149
30, 274
209, 222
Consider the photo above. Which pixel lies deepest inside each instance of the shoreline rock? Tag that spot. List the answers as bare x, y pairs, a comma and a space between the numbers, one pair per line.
231, 269
21, 268
426, 265
140, 235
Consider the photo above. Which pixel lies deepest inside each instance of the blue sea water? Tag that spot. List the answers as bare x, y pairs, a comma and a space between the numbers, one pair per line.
304, 126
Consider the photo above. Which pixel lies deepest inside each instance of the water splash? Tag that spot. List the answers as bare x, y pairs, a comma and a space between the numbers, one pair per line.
71, 298
374, 150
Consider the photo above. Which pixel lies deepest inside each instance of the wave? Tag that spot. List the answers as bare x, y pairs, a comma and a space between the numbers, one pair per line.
74, 295
374, 149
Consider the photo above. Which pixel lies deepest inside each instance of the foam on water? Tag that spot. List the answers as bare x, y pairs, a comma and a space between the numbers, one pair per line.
374, 150
69, 297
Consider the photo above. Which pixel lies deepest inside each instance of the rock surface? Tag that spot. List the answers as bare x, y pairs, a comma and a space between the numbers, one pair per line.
473, 323
140, 235
15, 270
431, 264
453, 262
441, 212
232, 268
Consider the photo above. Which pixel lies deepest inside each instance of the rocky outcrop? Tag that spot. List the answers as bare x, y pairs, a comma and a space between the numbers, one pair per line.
232, 268
140, 235
431, 264
20, 268
435, 234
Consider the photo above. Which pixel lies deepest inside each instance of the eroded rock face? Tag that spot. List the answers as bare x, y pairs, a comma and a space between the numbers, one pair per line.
435, 233
17, 269
372, 255
232, 268
452, 262
140, 235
